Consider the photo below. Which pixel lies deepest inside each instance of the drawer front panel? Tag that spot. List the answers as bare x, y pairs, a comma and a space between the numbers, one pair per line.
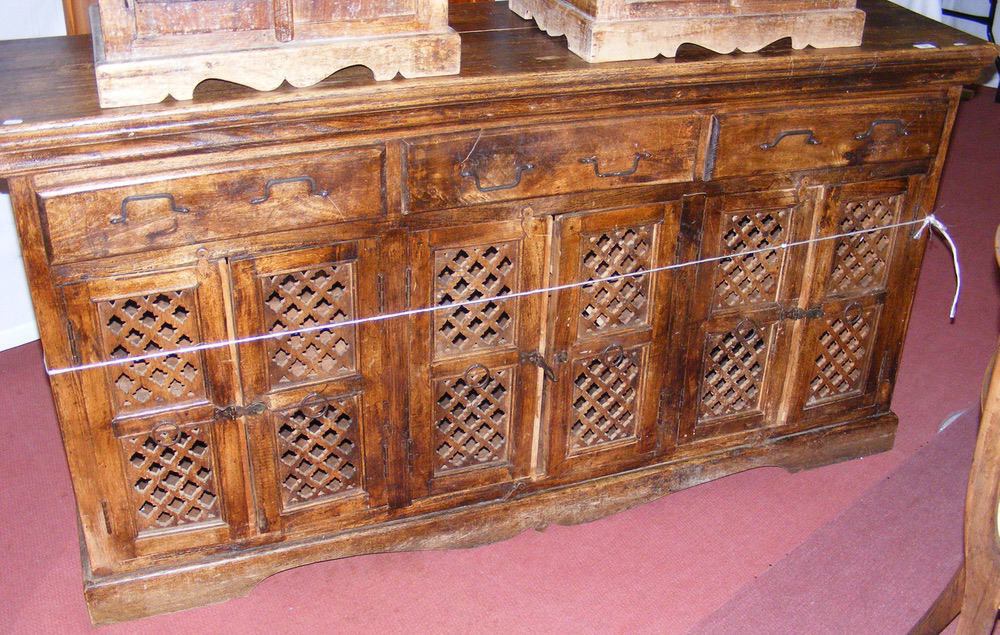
136, 214
808, 138
471, 168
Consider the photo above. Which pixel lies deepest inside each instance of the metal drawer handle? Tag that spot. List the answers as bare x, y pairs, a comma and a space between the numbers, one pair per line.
479, 371
519, 171
613, 355
313, 188
123, 215
900, 128
639, 156
810, 138
166, 433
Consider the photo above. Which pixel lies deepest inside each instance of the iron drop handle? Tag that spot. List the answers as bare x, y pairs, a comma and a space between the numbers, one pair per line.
639, 156
810, 138
897, 123
519, 171
122, 217
313, 188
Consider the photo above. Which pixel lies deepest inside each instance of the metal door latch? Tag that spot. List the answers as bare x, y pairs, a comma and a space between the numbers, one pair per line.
235, 412
534, 357
795, 313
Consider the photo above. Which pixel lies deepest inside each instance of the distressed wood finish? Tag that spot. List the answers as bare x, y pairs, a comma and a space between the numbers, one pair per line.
148, 230
147, 50
613, 30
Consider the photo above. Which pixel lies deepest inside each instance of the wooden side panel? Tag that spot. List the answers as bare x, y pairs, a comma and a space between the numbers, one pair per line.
736, 333
473, 389
314, 398
607, 340
170, 471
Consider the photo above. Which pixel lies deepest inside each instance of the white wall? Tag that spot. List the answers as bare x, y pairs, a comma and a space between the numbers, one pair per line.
974, 7
35, 18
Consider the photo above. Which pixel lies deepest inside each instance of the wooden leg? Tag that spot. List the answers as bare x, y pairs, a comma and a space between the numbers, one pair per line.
945, 608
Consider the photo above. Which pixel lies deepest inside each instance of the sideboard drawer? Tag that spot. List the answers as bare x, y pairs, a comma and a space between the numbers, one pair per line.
482, 167
134, 213
821, 137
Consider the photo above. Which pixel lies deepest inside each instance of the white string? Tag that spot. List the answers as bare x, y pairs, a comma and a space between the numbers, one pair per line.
931, 221
924, 222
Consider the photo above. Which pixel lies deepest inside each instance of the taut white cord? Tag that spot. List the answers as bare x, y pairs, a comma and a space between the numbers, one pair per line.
931, 221
924, 222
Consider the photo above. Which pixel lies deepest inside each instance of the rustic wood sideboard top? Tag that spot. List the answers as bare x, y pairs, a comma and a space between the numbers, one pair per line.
53, 104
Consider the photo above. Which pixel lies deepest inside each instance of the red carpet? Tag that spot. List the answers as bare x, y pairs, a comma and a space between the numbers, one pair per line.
664, 567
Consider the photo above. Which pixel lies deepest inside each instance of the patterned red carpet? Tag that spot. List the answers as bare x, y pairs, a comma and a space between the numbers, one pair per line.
751, 553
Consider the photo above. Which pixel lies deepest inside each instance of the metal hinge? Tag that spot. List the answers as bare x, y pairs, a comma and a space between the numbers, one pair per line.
795, 313
408, 277
235, 412
73, 350
380, 291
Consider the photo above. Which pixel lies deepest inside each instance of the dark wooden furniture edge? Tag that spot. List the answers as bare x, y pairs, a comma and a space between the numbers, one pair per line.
221, 577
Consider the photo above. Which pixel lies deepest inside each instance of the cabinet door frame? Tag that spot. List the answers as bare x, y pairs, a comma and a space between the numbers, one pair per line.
612, 351
752, 313
883, 306
435, 368
166, 437
288, 419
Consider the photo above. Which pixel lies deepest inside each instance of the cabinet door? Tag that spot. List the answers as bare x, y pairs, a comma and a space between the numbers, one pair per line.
313, 399
861, 297
735, 342
171, 472
473, 395
607, 339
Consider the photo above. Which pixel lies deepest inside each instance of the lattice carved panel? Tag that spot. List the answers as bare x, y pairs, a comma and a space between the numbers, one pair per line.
319, 451
753, 279
171, 476
844, 351
733, 376
860, 262
605, 398
472, 419
149, 324
468, 274
301, 299
623, 302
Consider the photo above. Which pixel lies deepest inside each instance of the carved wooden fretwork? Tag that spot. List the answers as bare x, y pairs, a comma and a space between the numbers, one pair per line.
473, 273
472, 419
149, 324
620, 303
735, 362
844, 349
861, 261
750, 280
605, 398
171, 474
303, 299
319, 451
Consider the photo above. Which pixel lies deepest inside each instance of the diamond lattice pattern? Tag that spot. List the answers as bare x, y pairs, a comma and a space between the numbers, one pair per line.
148, 324
605, 400
319, 452
474, 273
843, 347
750, 279
301, 299
472, 420
620, 303
173, 481
734, 371
860, 261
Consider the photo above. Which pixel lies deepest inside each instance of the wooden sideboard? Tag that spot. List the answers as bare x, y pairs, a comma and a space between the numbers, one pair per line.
148, 229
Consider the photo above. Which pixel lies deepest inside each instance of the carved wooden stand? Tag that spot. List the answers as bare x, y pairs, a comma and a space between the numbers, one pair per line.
144, 53
617, 31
